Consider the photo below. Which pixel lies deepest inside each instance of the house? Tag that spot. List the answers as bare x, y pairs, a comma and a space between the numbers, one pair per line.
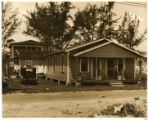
29, 52
96, 61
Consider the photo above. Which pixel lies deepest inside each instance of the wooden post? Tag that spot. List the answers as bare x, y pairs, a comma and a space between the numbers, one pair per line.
68, 71
12, 52
96, 69
123, 69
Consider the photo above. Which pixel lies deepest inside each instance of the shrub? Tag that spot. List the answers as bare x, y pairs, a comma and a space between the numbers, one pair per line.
124, 110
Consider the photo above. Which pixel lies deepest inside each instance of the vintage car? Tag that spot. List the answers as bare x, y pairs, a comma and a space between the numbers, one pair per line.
28, 75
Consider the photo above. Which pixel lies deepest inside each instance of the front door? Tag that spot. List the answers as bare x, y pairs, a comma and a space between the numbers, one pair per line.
112, 68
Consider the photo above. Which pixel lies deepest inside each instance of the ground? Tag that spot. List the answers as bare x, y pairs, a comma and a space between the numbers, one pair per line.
66, 104
45, 86
48, 99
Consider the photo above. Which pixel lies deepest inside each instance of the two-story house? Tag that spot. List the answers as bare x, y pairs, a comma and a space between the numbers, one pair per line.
29, 52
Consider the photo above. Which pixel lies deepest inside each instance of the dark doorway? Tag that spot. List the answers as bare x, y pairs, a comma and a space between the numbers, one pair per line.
112, 68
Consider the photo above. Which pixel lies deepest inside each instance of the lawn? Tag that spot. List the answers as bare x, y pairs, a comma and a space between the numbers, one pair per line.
45, 86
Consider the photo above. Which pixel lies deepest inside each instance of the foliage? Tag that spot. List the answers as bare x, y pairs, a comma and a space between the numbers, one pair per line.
49, 23
107, 22
10, 22
124, 110
128, 31
86, 23
95, 22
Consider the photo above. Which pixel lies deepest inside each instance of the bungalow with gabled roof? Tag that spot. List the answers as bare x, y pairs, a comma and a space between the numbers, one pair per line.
100, 61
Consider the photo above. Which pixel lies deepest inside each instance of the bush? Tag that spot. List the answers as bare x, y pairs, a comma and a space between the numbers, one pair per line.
5, 85
123, 110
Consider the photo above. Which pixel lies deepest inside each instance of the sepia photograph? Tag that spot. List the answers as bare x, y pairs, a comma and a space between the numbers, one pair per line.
74, 59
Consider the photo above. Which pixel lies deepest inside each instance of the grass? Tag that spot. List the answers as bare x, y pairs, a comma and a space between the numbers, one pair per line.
45, 86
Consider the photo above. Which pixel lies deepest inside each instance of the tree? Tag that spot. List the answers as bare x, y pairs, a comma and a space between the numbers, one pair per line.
128, 33
107, 22
85, 23
49, 23
10, 22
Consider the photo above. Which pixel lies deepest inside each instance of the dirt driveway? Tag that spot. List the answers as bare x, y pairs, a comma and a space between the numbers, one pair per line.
66, 104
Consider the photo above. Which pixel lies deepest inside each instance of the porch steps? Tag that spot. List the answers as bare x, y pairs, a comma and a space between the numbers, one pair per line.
116, 83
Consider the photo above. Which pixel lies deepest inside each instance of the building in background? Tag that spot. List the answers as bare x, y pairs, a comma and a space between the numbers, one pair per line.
29, 53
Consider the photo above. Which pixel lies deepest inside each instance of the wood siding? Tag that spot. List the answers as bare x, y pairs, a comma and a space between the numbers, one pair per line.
58, 72
111, 50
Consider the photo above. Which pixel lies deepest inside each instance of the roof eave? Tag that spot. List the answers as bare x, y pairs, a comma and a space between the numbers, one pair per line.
71, 49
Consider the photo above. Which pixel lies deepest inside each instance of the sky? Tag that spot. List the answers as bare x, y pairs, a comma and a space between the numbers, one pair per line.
119, 9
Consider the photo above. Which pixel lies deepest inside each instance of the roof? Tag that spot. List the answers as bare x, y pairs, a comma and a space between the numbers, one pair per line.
80, 46
86, 47
28, 42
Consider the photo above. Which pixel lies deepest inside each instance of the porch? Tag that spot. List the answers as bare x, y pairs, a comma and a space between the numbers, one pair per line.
97, 69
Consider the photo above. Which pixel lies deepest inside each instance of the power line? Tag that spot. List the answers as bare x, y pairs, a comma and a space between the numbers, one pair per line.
136, 3
130, 4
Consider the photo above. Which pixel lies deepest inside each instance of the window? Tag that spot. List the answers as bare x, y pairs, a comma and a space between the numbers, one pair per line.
39, 49
34, 49
62, 63
98, 66
119, 65
84, 64
29, 49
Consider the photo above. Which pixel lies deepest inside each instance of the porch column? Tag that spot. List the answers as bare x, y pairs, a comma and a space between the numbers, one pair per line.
12, 52
96, 69
68, 71
106, 77
123, 69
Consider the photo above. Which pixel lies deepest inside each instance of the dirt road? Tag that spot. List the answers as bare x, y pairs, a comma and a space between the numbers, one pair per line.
66, 104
